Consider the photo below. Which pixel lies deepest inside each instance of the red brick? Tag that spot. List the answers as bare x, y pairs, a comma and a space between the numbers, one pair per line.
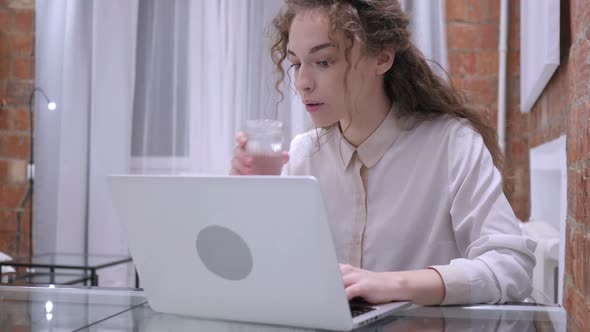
515, 124
585, 18
569, 250
513, 91
21, 43
457, 83
587, 195
586, 267
580, 260
535, 119
556, 93
577, 194
578, 309
3, 94
19, 91
23, 68
11, 195
461, 64
578, 132
14, 146
462, 36
514, 10
522, 209
5, 20
494, 10
565, 81
536, 138
24, 20
513, 35
477, 10
575, 206
4, 44
518, 149
4, 68
585, 129
558, 127
487, 63
3, 175
8, 220
4, 119
8, 243
455, 10
580, 16
489, 36
482, 92
513, 59
19, 119
581, 63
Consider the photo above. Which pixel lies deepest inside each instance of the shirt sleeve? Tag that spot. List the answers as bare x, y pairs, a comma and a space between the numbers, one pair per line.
293, 156
498, 260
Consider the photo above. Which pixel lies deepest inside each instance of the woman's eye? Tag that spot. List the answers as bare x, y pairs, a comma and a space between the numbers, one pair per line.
295, 65
323, 63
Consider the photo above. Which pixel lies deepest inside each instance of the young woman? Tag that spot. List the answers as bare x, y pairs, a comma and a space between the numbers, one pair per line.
409, 173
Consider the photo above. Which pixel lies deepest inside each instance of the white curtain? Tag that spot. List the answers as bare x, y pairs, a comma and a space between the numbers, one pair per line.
202, 70
149, 87
428, 26
85, 60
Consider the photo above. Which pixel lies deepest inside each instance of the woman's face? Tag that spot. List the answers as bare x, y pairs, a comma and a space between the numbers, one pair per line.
319, 68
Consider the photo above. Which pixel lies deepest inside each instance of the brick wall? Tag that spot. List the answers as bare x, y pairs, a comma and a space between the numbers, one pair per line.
473, 36
16, 82
563, 108
570, 91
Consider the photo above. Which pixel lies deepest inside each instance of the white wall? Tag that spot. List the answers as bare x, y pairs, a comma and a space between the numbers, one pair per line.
549, 192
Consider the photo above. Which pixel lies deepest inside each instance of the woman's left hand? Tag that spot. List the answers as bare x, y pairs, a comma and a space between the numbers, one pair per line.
373, 287
424, 287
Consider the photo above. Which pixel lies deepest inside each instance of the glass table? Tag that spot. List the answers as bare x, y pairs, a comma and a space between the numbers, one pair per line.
60, 267
97, 309
61, 309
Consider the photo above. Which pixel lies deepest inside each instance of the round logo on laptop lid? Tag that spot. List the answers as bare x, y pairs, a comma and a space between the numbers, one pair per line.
224, 253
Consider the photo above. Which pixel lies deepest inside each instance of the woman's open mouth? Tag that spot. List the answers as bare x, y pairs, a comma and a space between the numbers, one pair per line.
313, 107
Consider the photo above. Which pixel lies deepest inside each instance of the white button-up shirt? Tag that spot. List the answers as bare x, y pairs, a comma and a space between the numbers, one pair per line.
420, 195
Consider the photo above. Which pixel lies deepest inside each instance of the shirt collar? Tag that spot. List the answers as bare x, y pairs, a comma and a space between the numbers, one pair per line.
374, 147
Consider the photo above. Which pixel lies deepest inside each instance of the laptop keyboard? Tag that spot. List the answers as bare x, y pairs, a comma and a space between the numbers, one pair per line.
359, 307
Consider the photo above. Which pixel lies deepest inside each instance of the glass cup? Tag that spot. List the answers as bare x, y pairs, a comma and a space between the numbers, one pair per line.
265, 146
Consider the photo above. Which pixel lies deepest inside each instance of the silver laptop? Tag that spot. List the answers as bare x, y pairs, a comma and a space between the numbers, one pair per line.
255, 249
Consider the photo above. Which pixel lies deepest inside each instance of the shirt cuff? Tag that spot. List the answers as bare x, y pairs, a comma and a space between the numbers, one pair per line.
456, 281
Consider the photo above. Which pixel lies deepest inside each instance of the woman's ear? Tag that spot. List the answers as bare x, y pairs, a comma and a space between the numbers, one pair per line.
385, 60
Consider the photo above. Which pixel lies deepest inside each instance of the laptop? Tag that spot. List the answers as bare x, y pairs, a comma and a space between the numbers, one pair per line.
242, 248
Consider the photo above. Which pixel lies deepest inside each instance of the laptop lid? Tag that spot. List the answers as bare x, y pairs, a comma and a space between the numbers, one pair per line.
255, 249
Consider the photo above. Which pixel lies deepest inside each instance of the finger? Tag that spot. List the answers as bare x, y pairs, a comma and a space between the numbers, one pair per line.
241, 139
239, 168
243, 156
285, 157
355, 290
345, 268
350, 279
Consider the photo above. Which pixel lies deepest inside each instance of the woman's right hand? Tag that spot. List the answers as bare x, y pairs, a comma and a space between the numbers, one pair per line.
241, 163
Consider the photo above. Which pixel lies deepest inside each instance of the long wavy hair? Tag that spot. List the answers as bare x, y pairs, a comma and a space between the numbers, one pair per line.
411, 83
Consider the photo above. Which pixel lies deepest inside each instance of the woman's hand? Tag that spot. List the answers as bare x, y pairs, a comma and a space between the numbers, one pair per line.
242, 162
373, 287
420, 286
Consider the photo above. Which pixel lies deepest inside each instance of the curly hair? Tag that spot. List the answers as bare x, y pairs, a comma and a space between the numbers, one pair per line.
411, 82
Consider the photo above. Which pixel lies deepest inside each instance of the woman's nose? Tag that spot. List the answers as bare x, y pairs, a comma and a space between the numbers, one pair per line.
303, 80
